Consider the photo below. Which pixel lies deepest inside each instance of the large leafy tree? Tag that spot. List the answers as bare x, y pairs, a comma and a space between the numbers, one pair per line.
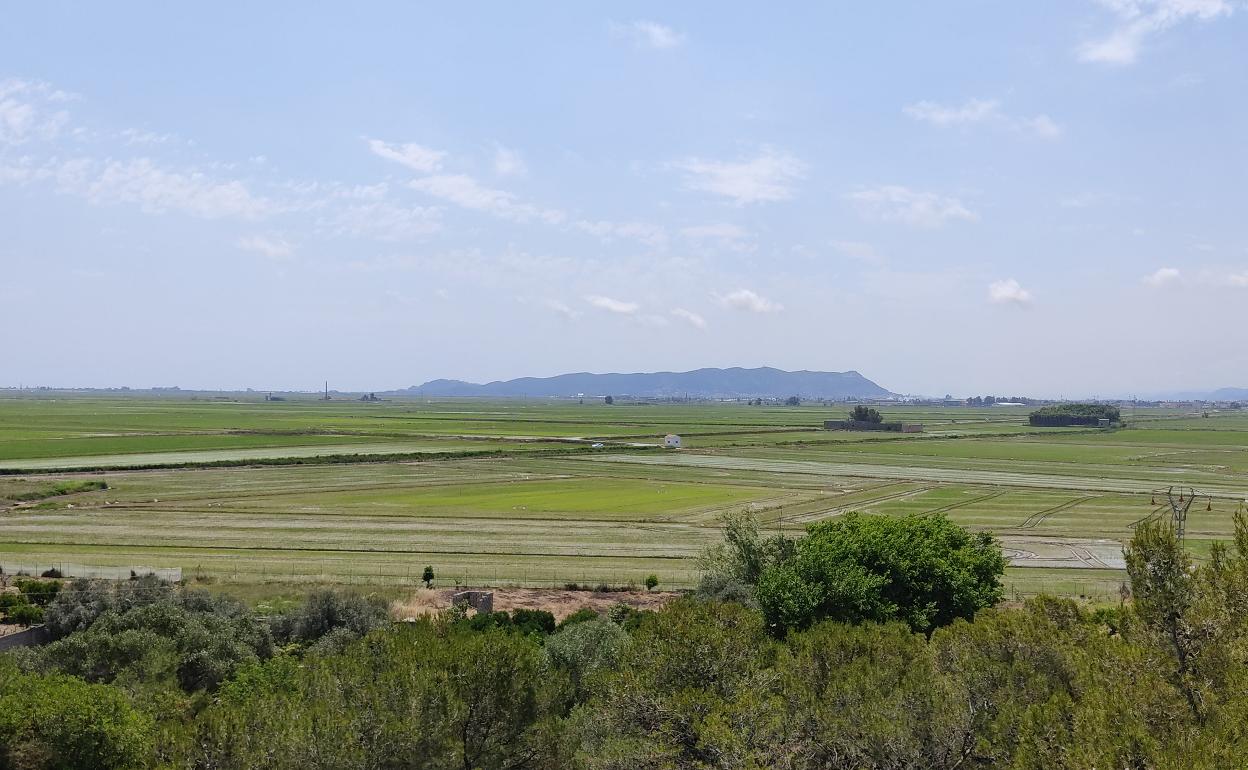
59, 721
922, 570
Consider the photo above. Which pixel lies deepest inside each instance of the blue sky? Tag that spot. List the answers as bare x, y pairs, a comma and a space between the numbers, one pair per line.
955, 197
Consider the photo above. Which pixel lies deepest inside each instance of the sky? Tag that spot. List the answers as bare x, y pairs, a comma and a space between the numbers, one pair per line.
1041, 199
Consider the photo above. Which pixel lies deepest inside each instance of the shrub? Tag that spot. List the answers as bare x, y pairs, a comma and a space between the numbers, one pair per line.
585, 648
325, 610
40, 592
63, 722
25, 615
538, 622
580, 616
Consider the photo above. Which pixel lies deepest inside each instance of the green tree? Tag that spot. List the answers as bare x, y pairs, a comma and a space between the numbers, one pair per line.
1192, 617
652, 581
427, 576
425, 694
61, 723
692, 690
922, 570
792, 401
584, 649
609, 400
862, 413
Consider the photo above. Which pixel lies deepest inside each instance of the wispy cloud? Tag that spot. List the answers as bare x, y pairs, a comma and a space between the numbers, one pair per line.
1008, 292
562, 309
414, 156
1238, 280
1136, 21
508, 162
383, 220
647, 34
750, 301
136, 136
863, 252
974, 111
896, 203
29, 111
464, 191
270, 246
1162, 276
643, 232
158, 189
722, 235
612, 305
689, 317
767, 177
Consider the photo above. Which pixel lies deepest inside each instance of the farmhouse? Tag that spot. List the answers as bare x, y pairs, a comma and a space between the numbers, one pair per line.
671, 441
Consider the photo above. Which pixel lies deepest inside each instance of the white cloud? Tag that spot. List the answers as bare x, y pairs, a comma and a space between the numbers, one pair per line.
1139, 20
272, 247
1238, 280
745, 299
717, 231
1008, 292
974, 111
158, 190
647, 34
690, 317
463, 190
508, 162
767, 177
651, 235
561, 309
28, 112
863, 252
612, 305
719, 235
895, 203
1162, 277
135, 136
383, 220
414, 156
971, 111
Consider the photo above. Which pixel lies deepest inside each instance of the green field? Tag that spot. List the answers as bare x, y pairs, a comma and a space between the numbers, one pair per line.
546, 508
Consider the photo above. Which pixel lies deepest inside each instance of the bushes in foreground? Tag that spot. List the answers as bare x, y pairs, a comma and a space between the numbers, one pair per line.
1158, 683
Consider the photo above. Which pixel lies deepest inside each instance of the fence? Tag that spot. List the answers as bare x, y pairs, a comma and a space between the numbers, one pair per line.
70, 570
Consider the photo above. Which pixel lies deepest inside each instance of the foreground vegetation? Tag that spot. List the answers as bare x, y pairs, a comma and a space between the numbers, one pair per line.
910, 669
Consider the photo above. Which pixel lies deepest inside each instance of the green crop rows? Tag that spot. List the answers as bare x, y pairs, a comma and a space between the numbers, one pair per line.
513, 492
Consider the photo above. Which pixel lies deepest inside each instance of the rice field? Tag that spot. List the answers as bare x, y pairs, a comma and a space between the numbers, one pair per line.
1062, 501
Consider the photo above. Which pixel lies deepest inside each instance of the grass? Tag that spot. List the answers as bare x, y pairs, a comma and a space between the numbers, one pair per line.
1062, 501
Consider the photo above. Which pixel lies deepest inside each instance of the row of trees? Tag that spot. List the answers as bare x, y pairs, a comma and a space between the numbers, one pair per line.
1060, 415
862, 645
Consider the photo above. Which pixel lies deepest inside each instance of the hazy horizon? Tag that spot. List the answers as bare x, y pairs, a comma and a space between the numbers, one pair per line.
1034, 200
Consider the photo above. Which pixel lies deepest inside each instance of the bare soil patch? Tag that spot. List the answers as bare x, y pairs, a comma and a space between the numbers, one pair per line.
557, 602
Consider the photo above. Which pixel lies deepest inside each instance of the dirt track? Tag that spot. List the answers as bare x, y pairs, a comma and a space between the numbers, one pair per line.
557, 602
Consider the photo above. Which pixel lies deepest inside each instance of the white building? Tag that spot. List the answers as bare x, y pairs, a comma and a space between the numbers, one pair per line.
671, 441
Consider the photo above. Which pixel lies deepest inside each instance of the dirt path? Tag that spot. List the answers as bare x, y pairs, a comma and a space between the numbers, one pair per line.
559, 603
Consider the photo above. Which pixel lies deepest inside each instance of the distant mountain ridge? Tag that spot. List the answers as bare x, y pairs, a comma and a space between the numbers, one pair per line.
1221, 394
736, 382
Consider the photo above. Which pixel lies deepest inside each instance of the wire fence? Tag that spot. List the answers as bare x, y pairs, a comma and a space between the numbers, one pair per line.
72, 570
411, 574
